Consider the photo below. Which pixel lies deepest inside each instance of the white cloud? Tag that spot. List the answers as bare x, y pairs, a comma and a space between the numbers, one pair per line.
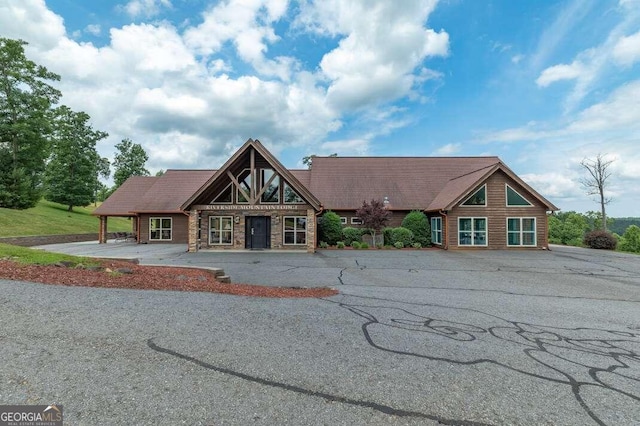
380, 49
627, 49
93, 29
448, 149
517, 58
560, 72
347, 147
146, 8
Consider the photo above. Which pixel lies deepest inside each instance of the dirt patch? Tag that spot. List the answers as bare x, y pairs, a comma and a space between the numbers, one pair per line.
121, 274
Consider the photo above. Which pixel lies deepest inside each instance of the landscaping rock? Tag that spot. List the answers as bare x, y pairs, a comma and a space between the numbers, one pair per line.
126, 271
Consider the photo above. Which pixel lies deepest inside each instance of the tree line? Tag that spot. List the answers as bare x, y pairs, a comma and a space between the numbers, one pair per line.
48, 150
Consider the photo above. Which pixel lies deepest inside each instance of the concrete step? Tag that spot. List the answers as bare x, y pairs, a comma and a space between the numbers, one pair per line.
224, 279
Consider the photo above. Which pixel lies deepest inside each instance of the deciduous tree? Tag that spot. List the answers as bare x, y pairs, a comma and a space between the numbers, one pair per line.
74, 166
129, 161
26, 98
374, 216
596, 181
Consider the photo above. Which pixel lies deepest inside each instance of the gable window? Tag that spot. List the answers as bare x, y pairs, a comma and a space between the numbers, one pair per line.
478, 198
436, 230
521, 231
244, 179
220, 230
343, 220
291, 196
514, 199
224, 197
295, 230
356, 221
160, 228
270, 180
472, 231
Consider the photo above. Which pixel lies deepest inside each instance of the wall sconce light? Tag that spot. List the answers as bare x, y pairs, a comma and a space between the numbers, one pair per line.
236, 219
385, 201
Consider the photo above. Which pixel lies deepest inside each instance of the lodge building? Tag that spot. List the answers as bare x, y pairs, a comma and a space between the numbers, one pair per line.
254, 202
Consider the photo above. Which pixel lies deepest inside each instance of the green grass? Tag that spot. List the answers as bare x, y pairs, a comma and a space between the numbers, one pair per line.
49, 218
39, 257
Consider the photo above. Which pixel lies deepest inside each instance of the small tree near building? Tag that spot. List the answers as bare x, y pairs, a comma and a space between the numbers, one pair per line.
418, 223
374, 216
330, 228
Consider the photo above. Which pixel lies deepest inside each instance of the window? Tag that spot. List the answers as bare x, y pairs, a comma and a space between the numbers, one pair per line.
295, 230
478, 198
516, 200
436, 230
291, 196
220, 230
521, 231
272, 193
224, 197
356, 221
472, 231
160, 228
343, 220
244, 180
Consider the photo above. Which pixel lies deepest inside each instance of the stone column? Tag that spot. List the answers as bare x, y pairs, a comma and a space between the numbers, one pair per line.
102, 231
193, 231
311, 231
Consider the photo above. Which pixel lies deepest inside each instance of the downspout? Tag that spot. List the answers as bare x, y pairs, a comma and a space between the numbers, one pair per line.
137, 228
445, 235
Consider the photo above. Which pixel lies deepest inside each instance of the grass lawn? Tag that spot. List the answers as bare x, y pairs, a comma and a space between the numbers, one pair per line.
48, 218
39, 257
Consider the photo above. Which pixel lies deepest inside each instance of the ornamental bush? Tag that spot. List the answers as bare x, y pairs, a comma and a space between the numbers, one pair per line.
398, 244
350, 234
402, 235
330, 228
340, 244
355, 244
418, 223
600, 240
386, 232
364, 245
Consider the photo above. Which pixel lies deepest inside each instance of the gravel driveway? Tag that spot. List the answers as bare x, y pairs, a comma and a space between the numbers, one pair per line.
416, 337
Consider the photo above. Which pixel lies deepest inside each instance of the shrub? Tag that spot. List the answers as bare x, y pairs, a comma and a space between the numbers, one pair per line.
630, 240
355, 244
349, 235
417, 245
323, 244
386, 233
364, 245
417, 222
398, 244
403, 235
330, 228
600, 240
340, 244
379, 246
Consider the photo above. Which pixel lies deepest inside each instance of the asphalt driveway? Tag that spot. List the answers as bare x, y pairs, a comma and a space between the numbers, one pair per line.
415, 337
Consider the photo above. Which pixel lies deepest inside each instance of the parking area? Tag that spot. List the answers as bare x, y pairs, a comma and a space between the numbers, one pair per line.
415, 337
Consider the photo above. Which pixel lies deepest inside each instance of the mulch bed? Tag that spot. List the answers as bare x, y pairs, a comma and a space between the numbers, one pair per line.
122, 274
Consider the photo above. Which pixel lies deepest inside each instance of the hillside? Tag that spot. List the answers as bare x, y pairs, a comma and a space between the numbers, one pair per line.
49, 218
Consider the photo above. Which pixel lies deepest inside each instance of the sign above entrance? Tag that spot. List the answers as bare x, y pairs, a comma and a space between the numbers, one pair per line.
250, 207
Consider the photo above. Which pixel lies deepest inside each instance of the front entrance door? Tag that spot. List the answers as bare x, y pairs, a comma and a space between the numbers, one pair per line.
257, 232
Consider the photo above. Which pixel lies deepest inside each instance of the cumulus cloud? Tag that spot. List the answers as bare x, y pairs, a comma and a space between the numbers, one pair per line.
627, 49
179, 93
448, 149
93, 29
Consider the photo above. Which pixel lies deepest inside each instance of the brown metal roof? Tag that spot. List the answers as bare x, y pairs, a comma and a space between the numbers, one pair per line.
408, 182
338, 183
171, 190
122, 201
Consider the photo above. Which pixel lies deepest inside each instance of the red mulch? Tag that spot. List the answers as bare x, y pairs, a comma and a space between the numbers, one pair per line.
147, 278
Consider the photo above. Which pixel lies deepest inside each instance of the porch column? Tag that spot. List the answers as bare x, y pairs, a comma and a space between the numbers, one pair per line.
102, 230
311, 231
193, 231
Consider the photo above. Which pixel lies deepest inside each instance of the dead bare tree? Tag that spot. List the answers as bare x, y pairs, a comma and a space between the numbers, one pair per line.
596, 182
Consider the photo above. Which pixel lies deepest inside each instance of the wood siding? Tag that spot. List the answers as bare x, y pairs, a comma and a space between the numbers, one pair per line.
497, 212
179, 230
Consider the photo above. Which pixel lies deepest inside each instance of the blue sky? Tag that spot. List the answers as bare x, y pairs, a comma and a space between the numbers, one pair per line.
541, 84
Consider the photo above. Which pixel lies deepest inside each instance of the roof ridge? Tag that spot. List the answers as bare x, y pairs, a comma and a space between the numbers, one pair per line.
474, 171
